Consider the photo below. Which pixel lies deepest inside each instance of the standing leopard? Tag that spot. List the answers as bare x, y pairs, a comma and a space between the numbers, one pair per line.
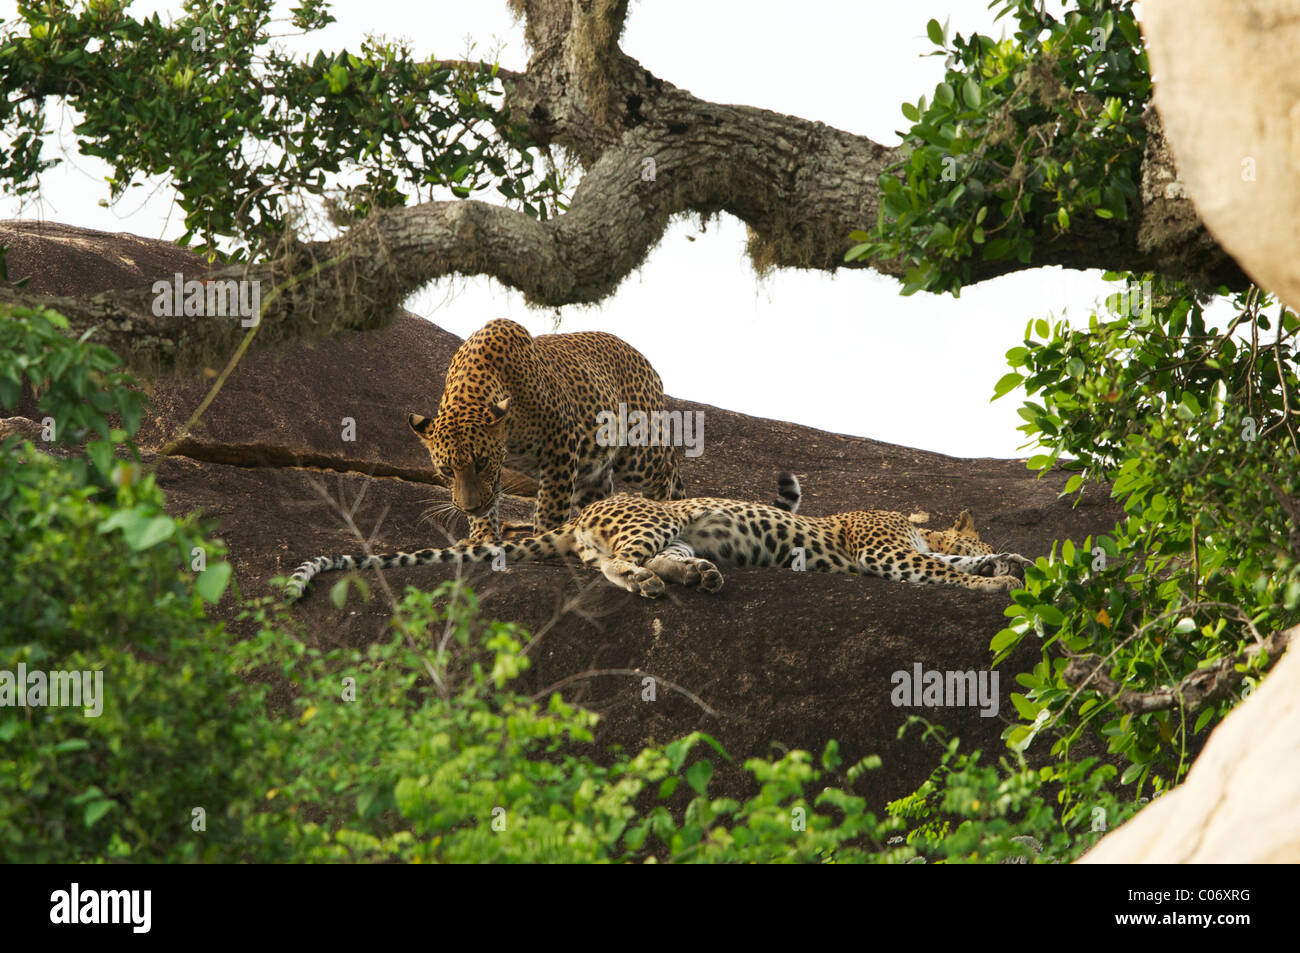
534, 405
637, 543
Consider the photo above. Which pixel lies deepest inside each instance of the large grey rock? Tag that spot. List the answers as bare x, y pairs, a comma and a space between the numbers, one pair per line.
1227, 85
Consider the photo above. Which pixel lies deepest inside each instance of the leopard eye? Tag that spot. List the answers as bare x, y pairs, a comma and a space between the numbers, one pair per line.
481, 464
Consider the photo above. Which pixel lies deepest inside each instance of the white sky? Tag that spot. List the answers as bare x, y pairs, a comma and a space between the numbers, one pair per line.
843, 353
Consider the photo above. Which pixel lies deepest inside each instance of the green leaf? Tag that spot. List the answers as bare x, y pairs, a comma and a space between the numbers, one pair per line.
971, 91
337, 78
935, 32
998, 248
831, 755
636, 835
149, 533
128, 405
1026, 709
101, 455
10, 391
698, 775
213, 580
139, 529
857, 251
97, 809
1004, 639
339, 593
1049, 614
1131, 773
1006, 384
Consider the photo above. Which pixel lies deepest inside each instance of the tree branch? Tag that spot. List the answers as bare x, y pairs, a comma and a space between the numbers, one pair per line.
651, 151
1205, 686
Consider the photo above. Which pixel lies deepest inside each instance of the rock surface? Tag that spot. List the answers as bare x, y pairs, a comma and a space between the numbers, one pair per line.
780, 659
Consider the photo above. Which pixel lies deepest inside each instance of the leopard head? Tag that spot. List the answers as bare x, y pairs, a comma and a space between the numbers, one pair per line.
963, 529
468, 450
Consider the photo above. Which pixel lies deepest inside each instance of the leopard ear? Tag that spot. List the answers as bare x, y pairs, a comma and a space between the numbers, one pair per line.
496, 413
965, 524
422, 426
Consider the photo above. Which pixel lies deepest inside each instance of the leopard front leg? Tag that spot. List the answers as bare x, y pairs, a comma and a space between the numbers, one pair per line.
932, 568
486, 527
595, 486
987, 564
678, 563
633, 578
554, 496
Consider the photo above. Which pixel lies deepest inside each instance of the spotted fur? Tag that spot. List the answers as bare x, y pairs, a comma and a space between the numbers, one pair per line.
532, 404
637, 543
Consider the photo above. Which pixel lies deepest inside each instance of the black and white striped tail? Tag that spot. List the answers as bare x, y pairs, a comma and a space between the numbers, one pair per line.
788, 492
547, 545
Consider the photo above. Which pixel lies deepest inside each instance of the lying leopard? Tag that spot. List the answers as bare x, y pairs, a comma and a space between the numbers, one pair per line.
533, 404
638, 543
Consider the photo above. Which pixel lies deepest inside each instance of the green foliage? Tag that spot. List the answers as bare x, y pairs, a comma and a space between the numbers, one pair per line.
1193, 425
77, 380
418, 750
968, 812
177, 727
80, 384
96, 582
1022, 138
1038, 139
427, 755
241, 128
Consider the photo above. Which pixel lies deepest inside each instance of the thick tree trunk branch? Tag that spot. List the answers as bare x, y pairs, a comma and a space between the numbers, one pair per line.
651, 151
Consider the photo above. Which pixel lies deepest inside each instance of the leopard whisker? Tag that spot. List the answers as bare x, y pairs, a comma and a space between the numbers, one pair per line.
437, 511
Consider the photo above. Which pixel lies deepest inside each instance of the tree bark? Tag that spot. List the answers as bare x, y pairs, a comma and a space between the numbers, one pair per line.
1234, 128
650, 151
